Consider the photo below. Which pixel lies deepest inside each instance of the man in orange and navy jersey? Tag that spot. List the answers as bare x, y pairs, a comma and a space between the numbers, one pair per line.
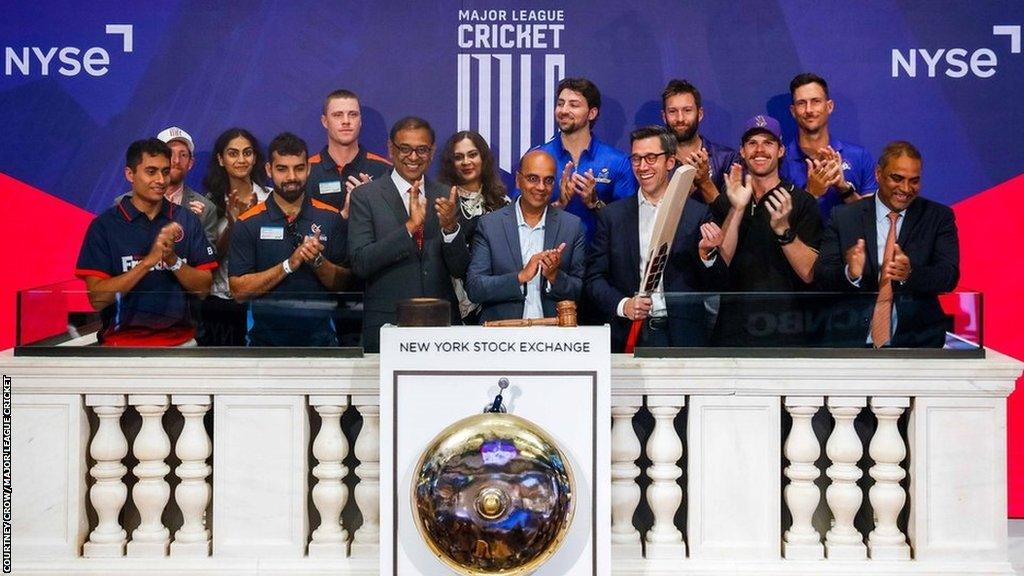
286, 256
141, 257
342, 164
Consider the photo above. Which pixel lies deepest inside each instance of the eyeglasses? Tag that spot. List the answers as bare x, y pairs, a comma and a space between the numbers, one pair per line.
635, 159
534, 179
406, 150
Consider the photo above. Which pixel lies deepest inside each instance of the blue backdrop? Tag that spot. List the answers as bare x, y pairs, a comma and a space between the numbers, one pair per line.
206, 66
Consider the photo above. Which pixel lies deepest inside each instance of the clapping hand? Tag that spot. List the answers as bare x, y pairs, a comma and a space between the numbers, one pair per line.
447, 213
738, 187
710, 239
550, 261
779, 204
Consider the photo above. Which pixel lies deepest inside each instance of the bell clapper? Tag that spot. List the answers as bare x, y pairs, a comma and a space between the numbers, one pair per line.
497, 406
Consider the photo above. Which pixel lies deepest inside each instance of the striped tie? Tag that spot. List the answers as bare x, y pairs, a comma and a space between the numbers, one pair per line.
881, 320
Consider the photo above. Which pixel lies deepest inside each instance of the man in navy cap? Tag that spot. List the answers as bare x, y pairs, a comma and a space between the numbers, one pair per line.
771, 234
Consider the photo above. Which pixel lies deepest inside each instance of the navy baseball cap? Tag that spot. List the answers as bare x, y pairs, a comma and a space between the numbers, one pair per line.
761, 123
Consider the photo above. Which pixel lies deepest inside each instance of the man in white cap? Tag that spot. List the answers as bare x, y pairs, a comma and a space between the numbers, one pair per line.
182, 159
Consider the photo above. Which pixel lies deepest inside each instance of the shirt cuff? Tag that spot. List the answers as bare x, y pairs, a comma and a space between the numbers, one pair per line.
851, 280
620, 310
449, 237
710, 262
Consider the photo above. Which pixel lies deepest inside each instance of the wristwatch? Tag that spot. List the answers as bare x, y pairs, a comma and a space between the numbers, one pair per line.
850, 191
786, 237
318, 261
177, 265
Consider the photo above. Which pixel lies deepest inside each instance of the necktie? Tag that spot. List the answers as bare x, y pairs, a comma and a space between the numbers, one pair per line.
418, 237
881, 320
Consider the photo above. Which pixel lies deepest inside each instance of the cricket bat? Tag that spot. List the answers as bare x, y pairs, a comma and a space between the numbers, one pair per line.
670, 212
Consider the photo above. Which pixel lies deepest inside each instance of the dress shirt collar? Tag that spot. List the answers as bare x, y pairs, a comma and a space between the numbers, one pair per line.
521, 221
403, 185
882, 212
642, 199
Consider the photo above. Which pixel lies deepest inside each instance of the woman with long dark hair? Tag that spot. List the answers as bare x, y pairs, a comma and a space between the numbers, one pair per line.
468, 164
235, 182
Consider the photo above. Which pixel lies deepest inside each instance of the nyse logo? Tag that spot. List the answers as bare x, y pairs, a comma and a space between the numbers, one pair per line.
66, 60
954, 62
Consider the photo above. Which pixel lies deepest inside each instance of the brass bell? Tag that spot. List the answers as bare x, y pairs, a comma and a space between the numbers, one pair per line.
493, 494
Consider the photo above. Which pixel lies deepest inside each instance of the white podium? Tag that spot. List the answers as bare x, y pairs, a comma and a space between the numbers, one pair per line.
559, 379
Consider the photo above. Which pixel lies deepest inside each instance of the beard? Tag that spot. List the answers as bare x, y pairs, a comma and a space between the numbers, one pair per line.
687, 134
290, 190
573, 127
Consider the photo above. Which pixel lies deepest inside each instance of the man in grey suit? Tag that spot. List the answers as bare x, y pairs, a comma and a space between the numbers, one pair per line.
403, 234
528, 255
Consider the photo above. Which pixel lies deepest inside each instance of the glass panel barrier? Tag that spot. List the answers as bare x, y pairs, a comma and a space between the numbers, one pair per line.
60, 316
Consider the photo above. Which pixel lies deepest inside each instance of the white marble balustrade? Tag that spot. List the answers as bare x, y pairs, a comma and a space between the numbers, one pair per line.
267, 490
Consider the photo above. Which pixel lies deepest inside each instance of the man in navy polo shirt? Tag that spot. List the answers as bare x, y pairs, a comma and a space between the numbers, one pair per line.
589, 172
342, 164
833, 171
682, 112
285, 256
142, 256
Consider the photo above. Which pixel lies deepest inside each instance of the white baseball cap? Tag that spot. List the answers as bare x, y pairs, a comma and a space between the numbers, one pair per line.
173, 133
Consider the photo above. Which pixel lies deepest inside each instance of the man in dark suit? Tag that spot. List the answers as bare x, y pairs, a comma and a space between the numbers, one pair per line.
925, 258
528, 255
619, 253
404, 235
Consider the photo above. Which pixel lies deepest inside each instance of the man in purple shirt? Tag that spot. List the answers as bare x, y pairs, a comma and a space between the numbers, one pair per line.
833, 171
682, 111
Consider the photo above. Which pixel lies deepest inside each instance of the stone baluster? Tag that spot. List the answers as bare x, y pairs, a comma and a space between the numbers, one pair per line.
151, 492
109, 493
193, 492
886, 541
330, 493
843, 495
365, 542
664, 495
625, 492
802, 541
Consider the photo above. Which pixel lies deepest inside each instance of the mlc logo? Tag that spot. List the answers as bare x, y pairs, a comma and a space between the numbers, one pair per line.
955, 62
95, 61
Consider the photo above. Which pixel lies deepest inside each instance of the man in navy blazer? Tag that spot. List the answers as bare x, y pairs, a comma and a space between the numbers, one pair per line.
926, 262
619, 253
529, 255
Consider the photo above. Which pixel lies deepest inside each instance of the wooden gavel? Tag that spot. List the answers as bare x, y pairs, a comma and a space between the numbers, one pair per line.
566, 318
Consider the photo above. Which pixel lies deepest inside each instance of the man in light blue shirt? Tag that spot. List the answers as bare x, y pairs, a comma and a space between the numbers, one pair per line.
529, 255
925, 261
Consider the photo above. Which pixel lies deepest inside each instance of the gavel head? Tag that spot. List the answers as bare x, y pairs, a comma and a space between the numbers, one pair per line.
566, 313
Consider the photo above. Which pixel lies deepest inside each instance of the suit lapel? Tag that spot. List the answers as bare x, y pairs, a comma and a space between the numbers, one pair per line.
394, 200
870, 227
911, 217
631, 229
512, 236
552, 223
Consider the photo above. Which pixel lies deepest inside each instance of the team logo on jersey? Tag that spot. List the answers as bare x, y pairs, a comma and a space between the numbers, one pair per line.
315, 231
846, 165
179, 235
604, 176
